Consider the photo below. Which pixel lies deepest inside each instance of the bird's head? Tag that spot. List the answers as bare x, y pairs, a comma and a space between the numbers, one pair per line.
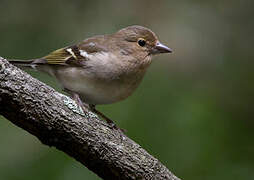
140, 41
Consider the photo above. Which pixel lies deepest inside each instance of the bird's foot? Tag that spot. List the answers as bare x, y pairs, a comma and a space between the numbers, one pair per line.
85, 107
108, 120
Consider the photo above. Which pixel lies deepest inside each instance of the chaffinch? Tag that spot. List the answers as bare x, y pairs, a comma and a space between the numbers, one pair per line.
102, 69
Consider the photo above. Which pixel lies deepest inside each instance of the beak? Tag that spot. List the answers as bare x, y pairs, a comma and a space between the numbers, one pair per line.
161, 48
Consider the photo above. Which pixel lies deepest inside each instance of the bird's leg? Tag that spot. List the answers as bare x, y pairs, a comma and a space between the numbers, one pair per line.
84, 107
108, 120
77, 99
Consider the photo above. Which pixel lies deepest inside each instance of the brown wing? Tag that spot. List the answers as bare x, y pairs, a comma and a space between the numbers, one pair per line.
76, 55
66, 56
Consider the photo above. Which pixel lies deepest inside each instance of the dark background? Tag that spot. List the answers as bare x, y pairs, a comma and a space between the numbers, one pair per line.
194, 108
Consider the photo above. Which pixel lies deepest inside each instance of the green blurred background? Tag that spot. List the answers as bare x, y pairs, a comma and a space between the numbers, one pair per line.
194, 108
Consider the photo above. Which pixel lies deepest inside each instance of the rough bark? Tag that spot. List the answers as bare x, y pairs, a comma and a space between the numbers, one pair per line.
57, 121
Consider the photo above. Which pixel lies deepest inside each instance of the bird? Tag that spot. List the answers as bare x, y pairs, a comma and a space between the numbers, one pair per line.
102, 69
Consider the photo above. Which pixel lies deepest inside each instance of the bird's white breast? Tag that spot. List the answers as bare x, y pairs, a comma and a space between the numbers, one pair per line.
92, 90
101, 81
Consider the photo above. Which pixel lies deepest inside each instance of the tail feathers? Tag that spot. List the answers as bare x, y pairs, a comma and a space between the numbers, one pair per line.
21, 62
26, 63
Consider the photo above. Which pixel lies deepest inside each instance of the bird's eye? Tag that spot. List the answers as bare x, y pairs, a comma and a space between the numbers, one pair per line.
141, 42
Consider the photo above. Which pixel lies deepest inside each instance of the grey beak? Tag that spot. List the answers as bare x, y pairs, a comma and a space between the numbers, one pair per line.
161, 48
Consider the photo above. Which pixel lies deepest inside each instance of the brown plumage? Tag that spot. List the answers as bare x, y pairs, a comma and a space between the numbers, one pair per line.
102, 69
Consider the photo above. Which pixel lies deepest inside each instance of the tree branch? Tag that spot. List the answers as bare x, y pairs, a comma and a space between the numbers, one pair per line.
57, 121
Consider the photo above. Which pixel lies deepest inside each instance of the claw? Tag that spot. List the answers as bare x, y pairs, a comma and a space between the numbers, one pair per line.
111, 123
